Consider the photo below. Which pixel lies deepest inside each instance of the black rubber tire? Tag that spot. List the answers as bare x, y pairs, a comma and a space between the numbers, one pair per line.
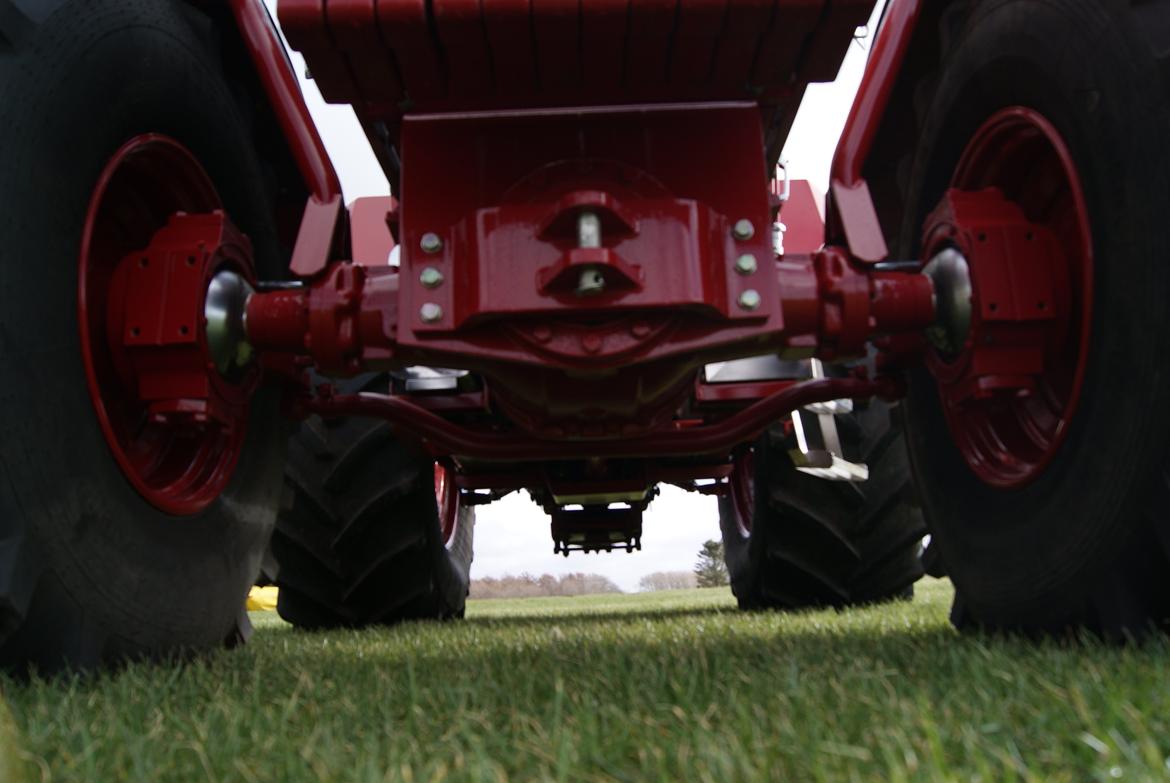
358, 541
819, 543
90, 573
1087, 544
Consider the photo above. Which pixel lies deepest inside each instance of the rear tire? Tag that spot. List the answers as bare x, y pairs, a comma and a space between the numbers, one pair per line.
816, 543
90, 572
360, 541
1086, 542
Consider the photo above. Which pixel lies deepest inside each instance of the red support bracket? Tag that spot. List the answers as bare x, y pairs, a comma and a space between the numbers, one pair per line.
157, 324
1014, 304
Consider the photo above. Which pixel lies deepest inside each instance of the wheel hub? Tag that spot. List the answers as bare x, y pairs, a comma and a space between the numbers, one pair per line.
951, 275
161, 276
1011, 260
224, 312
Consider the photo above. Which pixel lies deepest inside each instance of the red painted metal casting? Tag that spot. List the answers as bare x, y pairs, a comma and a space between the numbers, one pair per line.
371, 240
1017, 212
172, 423
803, 217
347, 321
489, 272
666, 214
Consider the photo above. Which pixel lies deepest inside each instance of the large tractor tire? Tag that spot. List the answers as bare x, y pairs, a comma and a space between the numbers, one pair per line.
796, 541
118, 539
1051, 511
372, 531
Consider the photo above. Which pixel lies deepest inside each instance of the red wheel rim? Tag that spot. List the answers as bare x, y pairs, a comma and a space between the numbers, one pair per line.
743, 486
447, 499
146, 181
1008, 442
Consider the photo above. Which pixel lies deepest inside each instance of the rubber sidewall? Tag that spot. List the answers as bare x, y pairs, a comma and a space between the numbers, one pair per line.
120, 575
1027, 556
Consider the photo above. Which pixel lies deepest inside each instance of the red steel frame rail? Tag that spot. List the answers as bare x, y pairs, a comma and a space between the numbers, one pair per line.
709, 439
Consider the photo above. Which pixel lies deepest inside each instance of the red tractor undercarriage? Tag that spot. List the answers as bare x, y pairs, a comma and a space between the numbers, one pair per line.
584, 265
584, 236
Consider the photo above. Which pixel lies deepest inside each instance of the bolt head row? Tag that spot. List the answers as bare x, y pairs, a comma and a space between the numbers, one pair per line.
430, 243
431, 277
746, 264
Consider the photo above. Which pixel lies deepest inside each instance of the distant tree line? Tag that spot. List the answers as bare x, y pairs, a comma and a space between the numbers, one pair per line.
529, 586
667, 580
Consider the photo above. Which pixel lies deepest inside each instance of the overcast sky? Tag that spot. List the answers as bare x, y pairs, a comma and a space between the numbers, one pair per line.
512, 535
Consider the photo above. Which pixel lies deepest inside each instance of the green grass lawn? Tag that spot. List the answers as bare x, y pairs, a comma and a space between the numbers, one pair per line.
649, 687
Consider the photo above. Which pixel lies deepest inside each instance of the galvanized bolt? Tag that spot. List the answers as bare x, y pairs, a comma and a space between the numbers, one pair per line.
743, 230
591, 282
430, 277
431, 243
588, 230
430, 312
746, 264
749, 299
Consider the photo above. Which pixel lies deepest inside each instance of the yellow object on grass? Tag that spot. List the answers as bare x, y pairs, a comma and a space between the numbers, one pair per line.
13, 767
262, 599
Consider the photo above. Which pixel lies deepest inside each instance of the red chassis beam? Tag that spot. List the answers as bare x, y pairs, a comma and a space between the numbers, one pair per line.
853, 219
711, 439
651, 473
284, 94
324, 208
